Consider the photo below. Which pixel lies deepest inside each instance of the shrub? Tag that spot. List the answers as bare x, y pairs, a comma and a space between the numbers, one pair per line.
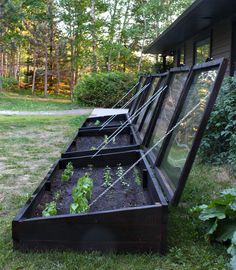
8, 83
103, 89
219, 142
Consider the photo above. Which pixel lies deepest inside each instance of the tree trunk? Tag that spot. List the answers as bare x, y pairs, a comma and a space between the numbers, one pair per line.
57, 69
46, 74
94, 36
34, 71
143, 42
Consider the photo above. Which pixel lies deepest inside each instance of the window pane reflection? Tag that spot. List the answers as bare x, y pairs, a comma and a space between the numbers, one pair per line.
153, 87
183, 136
151, 110
168, 107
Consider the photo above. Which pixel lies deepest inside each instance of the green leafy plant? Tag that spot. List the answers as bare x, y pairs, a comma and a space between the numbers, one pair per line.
119, 173
97, 122
50, 209
68, 172
137, 177
107, 177
219, 218
81, 193
93, 148
105, 140
57, 195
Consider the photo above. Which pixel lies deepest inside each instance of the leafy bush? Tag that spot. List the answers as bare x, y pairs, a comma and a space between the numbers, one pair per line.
219, 218
219, 142
8, 83
103, 89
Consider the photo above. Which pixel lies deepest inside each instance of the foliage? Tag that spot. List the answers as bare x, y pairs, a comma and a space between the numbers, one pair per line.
119, 173
219, 218
68, 172
219, 142
97, 122
50, 209
107, 177
81, 193
103, 89
137, 177
8, 82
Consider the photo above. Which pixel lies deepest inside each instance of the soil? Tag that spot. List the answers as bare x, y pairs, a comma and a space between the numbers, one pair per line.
92, 142
117, 197
112, 123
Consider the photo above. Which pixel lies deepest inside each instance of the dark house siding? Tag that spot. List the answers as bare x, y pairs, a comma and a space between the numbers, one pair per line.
221, 36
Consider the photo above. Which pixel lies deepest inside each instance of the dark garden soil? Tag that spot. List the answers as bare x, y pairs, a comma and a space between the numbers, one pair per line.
119, 196
92, 142
112, 123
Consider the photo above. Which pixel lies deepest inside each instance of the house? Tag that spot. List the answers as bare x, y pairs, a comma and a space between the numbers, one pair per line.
207, 29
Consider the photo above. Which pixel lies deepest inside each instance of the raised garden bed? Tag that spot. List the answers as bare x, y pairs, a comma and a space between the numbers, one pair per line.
113, 225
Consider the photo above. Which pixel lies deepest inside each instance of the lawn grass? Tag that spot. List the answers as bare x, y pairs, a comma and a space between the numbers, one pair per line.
20, 100
29, 146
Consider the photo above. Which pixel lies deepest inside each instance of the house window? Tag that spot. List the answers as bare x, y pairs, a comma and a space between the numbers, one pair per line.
202, 50
181, 57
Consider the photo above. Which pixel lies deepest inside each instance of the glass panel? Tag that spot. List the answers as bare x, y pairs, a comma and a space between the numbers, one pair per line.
151, 110
153, 87
168, 108
202, 51
183, 136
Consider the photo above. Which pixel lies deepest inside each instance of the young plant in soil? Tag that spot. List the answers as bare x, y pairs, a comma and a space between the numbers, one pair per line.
57, 195
119, 173
81, 193
68, 172
50, 209
93, 148
97, 123
107, 177
137, 177
105, 140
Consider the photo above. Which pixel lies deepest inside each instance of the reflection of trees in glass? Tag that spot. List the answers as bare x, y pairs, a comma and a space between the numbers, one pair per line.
202, 51
182, 138
168, 107
153, 87
151, 110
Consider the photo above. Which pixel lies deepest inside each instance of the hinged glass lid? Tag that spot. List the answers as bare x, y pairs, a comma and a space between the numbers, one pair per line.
179, 146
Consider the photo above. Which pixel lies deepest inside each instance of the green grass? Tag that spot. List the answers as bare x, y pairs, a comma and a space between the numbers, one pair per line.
22, 101
29, 146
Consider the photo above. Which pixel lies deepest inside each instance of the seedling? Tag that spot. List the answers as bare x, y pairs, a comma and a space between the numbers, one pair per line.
107, 177
50, 209
119, 174
93, 148
57, 195
105, 141
81, 193
137, 177
97, 123
68, 172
